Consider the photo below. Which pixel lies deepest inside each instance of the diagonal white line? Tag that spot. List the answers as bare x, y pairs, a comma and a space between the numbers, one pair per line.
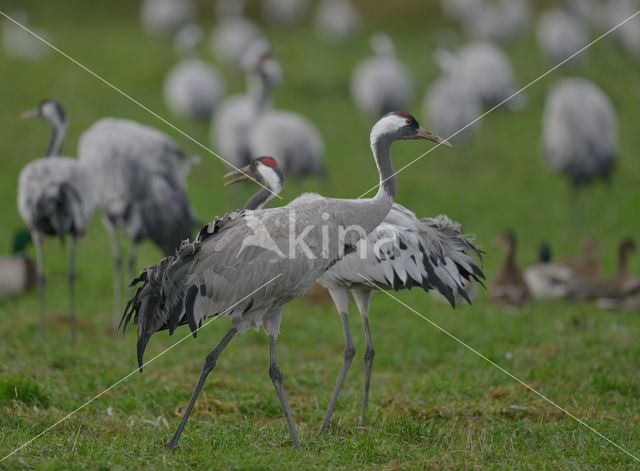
130, 98
512, 376
518, 92
133, 372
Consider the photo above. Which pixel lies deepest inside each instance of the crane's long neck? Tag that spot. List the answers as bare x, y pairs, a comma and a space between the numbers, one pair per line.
259, 91
58, 133
259, 199
369, 213
381, 148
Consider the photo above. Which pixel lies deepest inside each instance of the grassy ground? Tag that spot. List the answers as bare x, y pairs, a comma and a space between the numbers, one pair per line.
434, 403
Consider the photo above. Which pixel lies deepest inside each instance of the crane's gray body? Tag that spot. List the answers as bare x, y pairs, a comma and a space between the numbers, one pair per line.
381, 84
56, 196
561, 35
292, 140
231, 129
486, 70
138, 174
166, 16
192, 89
451, 106
580, 131
224, 270
337, 20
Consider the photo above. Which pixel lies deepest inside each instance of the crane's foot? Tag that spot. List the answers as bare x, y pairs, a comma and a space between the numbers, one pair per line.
171, 444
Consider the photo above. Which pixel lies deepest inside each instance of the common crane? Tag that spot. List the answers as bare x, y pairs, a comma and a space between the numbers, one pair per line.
237, 266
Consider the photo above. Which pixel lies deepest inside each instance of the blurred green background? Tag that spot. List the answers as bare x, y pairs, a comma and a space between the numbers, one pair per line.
434, 403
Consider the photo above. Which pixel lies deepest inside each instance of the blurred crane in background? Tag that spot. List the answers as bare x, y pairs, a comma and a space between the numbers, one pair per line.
337, 20
192, 88
233, 32
381, 84
290, 137
56, 197
579, 132
560, 35
285, 13
139, 176
21, 44
487, 71
166, 16
452, 108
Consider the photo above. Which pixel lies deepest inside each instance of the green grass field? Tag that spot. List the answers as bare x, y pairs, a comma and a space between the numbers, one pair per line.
434, 404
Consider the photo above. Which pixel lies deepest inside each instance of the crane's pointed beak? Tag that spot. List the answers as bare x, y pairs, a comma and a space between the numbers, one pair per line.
238, 175
29, 114
422, 133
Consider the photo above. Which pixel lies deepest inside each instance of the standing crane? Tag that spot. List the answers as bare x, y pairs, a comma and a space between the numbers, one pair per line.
139, 175
285, 13
337, 20
381, 84
21, 44
561, 35
498, 20
233, 32
452, 108
235, 114
55, 198
237, 266
166, 16
290, 137
487, 71
579, 132
192, 88
401, 253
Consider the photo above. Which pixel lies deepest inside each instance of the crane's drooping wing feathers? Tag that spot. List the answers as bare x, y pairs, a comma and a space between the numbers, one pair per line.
239, 265
139, 177
56, 196
404, 251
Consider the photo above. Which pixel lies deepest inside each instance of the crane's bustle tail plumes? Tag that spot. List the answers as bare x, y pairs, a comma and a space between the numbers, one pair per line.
162, 301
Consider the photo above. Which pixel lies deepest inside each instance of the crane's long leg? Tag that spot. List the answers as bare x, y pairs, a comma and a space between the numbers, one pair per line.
340, 298
276, 379
363, 301
209, 365
71, 278
117, 269
37, 243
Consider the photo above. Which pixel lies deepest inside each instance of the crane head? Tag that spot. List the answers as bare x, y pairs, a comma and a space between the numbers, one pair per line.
51, 110
264, 169
399, 125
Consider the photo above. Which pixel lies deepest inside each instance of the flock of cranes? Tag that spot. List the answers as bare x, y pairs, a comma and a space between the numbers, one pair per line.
243, 265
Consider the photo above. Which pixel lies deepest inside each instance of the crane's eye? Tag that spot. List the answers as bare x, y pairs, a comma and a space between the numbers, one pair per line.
407, 121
